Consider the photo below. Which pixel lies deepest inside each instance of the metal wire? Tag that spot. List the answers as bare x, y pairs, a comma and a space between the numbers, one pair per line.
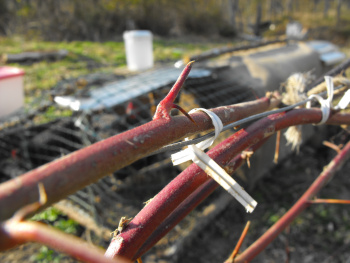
179, 145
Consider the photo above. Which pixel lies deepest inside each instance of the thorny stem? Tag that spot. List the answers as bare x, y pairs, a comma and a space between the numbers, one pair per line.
166, 201
239, 244
192, 201
260, 244
31, 208
164, 107
72, 172
183, 112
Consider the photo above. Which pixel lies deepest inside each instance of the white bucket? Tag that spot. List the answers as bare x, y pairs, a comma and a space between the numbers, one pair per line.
11, 90
139, 51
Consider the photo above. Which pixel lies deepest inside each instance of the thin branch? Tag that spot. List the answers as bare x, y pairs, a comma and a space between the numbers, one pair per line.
239, 244
277, 149
260, 244
333, 146
31, 208
329, 201
15, 233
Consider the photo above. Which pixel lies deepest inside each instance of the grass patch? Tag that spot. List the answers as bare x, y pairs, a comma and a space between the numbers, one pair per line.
87, 57
84, 57
55, 218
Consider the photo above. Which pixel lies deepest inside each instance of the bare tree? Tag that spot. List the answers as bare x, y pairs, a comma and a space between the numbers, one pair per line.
316, 3
232, 10
258, 19
339, 4
326, 8
290, 4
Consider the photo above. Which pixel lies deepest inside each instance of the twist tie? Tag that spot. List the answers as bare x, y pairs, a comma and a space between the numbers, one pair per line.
196, 154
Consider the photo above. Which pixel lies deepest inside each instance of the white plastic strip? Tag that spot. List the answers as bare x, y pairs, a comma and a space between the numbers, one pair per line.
185, 155
344, 101
326, 105
222, 178
196, 154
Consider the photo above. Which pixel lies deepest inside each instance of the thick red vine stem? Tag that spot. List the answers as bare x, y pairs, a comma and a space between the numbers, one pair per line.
70, 173
191, 202
260, 244
165, 202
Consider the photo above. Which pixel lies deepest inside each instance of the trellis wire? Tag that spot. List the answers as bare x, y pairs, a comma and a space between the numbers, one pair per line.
179, 145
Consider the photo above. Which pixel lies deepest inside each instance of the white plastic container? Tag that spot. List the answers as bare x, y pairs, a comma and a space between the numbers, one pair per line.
139, 50
11, 90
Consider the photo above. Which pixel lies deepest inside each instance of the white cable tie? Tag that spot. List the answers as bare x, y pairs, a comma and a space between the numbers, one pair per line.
196, 154
185, 155
326, 104
222, 178
344, 101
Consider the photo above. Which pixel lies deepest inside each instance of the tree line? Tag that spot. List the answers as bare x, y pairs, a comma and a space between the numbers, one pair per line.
98, 20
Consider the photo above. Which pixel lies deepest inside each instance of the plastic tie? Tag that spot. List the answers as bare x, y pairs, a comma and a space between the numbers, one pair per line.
185, 155
326, 104
196, 154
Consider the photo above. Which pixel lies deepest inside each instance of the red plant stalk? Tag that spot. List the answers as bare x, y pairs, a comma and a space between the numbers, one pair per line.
239, 244
14, 233
165, 202
259, 245
70, 173
191, 202
329, 201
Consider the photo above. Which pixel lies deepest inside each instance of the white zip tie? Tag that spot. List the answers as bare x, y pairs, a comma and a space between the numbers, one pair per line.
344, 101
185, 155
326, 105
195, 152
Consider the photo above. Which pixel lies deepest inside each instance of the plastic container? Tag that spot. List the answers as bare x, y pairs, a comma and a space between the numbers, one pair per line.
139, 50
11, 90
